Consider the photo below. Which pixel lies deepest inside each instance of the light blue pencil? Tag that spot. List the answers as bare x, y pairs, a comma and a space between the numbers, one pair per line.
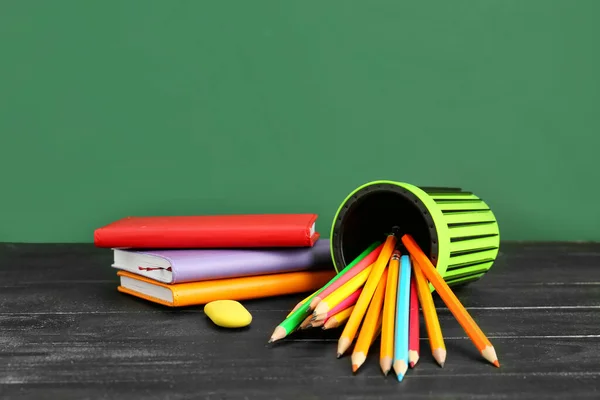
402, 318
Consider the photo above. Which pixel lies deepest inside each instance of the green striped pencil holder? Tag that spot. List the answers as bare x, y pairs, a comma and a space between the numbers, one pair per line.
455, 228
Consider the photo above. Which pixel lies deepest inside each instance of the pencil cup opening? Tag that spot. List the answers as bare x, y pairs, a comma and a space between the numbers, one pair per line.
369, 214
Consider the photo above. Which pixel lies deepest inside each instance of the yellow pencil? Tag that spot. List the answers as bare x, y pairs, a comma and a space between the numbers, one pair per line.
341, 293
436, 340
367, 332
386, 353
338, 319
367, 293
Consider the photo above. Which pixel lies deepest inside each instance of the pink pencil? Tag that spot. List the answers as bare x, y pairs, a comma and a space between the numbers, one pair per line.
413, 325
347, 302
352, 272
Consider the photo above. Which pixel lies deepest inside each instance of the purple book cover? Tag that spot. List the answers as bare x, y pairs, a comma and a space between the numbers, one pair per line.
179, 266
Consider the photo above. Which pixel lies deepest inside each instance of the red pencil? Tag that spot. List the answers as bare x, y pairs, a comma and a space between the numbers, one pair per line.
413, 325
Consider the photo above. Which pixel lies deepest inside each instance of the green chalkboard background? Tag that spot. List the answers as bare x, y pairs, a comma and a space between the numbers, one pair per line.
154, 107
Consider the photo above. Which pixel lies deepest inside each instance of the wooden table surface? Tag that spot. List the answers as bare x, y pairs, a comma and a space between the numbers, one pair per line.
65, 332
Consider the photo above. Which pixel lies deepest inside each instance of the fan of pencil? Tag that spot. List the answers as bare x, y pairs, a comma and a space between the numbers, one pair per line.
382, 292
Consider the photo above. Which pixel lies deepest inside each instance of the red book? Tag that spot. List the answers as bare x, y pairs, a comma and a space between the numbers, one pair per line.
218, 231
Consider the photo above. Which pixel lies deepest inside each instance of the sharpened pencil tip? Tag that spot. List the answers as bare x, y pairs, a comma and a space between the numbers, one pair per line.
496, 363
270, 341
354, 367
339, 355
278, 333
400, 368
386, 365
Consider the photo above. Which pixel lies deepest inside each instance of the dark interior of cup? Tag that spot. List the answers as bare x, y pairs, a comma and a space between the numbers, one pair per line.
371, 213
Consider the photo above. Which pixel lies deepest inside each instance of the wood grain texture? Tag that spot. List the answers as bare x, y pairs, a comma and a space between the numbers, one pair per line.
65, 332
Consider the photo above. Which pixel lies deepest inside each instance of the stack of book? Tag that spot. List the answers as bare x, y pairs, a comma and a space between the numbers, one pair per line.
192, 260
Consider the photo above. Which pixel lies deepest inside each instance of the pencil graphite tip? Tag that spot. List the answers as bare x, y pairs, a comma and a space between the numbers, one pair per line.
319, 317
400, 369
386, 365
440, 356
413, 358
278, 333
490, 354
338, 355
343, 345
358, 359
321, 309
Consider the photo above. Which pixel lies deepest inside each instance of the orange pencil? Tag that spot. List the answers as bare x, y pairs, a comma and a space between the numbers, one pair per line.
454, 305
369, 326
413, 325
338, 319
386, 353
378, 328
365, 297
432, 323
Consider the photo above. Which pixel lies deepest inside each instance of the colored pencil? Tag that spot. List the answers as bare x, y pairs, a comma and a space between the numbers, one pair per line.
292, 322
338, 319
305, 323
389, 315
297, 306
402, 319
365, 297
317, 324
367, 332
454, 305
413, 325
355, 270
343, 292
432, 323
378, 328
347, 302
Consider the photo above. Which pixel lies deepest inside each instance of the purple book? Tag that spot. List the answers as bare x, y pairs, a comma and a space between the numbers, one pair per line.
179, 266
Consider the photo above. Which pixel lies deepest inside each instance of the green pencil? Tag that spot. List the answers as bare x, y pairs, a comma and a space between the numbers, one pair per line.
292, 322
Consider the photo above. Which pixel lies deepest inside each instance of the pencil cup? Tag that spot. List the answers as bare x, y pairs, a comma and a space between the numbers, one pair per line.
455, 228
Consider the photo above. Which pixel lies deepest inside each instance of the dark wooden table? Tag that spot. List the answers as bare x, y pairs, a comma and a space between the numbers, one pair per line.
65, 332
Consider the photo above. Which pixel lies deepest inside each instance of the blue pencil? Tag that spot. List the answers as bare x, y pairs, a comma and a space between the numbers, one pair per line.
402, 315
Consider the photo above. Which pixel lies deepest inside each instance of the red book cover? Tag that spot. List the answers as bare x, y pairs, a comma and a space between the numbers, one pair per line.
212, 231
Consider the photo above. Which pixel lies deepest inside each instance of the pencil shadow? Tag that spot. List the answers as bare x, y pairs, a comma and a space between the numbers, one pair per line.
466, 349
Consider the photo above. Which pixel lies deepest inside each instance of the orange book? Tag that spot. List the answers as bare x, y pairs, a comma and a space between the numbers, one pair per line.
244, 288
